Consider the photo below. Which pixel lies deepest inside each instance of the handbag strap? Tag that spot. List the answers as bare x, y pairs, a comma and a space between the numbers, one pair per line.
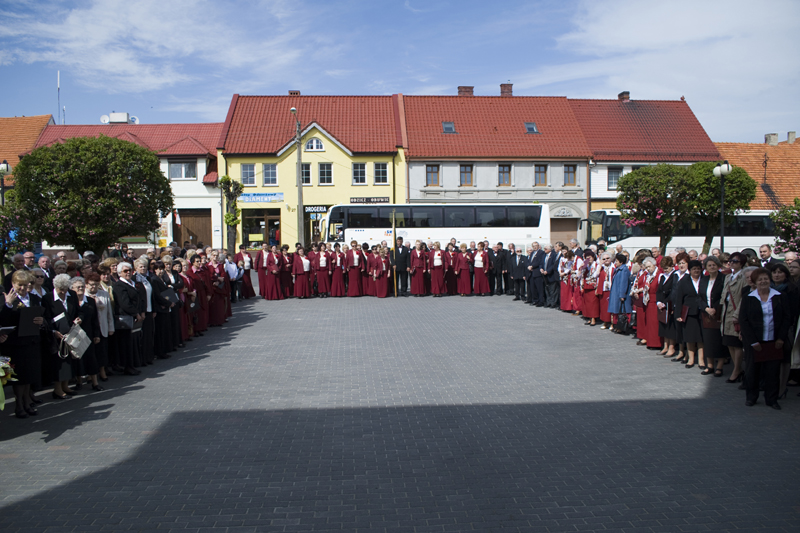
63, 347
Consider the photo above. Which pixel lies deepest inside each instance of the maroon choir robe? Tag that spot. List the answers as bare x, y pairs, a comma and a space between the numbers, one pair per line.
604, 295
381, 270
287, 284
337, 274
302, 278
450, 274
247, 282
312, 275
273, 277
261, 272
481, 274
437, 272
591, 302
218, 306
354, 271
202, 287
322, 272
650, 313
463, 261
417, 262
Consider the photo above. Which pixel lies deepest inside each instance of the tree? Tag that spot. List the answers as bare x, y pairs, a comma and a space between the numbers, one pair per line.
15, 234
89, 192
232, 190
740, 190
787, 228
657, 199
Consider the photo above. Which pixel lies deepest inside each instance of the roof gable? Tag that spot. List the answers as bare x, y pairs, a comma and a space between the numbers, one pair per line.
778, 181
186, 146
322, 131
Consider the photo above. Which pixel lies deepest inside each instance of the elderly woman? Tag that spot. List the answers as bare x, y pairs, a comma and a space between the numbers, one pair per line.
188, 298
734, 287
144, 339
23, 351
90, 324
39, 279
481, 269
127, 310
60, 267
711, 286
437, 265
781, 282
764, 320
337, 272
301, 270
688, 305
588, 283
619, 302
604, 288
200, 284
647, 326
218, 306
381, 271
666, 321
61, 311
105, 318
462, 264
162, 340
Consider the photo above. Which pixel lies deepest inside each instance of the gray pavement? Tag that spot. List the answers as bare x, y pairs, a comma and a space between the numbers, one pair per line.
452, 414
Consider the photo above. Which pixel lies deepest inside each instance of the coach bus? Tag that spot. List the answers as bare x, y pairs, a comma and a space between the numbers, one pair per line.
520, 224
749, 230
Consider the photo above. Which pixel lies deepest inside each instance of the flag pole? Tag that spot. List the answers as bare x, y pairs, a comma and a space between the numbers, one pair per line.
394, 249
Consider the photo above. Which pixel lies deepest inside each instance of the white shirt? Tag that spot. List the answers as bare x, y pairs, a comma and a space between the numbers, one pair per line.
246, 259
63, 302
478, 260
355, 258
766, 310
437, 258
711, 283
339, 259
306, 264
323, 260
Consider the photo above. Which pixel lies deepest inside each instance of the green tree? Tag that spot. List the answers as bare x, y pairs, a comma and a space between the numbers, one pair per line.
656, 199
89, 192
740, 190
787, 228
232, 190
15, 236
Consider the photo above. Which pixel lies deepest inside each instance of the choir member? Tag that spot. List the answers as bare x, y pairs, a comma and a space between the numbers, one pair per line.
463, 262
322, 267
604, 289
274, 267
682, 262
366, 279
711, 286
437, 265
217, 306
647, 323
591, 302
689, 302
418, 263
381, 271
287, 280
481, 270
196, 273
247, 283
354, 264
619, 301
666, 322
337, 272
450, 274
565, 273
261, 269
301, 270
575, 281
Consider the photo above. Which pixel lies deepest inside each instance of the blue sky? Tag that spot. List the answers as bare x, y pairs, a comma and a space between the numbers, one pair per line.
736, 62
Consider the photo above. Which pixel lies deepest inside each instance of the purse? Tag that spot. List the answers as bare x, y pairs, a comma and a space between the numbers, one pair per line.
74, 343
123, 322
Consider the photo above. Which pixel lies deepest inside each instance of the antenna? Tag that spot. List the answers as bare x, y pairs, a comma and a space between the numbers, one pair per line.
64, 116
58, 84
105, 119
134, 120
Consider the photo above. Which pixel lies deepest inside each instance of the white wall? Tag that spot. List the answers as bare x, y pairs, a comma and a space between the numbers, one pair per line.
193, 194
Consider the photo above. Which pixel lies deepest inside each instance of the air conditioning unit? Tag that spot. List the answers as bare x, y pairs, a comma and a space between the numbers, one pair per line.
119, 118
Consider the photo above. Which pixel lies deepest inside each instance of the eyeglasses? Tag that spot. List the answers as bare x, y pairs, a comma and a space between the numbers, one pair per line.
734, 261
126, 270
39, 277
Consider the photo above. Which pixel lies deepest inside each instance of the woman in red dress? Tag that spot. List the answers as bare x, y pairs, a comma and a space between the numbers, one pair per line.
261, 269
187, 295
312, 276
463, 260
577, 295
450, 275
382, 269
591, 302
337, 273
604, 289
274, 267
437, 264
301, 271
418, 263
647, 321
287, 281
565, 272
366, 279
354, 264
200, 284
322, 268
218, 306
481, 269
247, 283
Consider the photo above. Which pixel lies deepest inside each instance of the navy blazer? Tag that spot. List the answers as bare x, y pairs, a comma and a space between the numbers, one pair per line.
551, 266
518, 267
536, 260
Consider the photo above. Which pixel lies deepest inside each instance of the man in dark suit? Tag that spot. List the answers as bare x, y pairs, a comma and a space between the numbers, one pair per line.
518, 270
550, 274
576, 249
509, 254
766, 256
535, 278
19, 264
400, 260
499, 263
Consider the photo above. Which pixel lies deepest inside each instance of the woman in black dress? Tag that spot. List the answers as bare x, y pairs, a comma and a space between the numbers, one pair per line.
61, 311
666, 330
711, 315
23, 351
90, 324
162, 307
688, 304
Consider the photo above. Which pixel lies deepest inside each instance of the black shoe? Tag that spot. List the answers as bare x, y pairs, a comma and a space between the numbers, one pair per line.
20, 414
539, 305
33, 412
515, 299
776, 406
103, 379
132, 372
97, 388
57, 397
689, 366
737, 380
69, 392
36, 400
749, 403
706, 372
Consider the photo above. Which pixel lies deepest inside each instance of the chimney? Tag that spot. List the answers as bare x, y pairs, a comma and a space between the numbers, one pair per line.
465, 90
771, 139
294, 93
791, 137
505, 89
624, 96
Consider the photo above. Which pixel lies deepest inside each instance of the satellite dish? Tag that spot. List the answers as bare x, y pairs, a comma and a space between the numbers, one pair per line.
104, 119
134, 120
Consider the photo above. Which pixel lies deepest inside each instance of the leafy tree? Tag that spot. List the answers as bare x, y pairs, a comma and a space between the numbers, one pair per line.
787, 228
15, 234
232, 190
740, 190
89, 192
656, 199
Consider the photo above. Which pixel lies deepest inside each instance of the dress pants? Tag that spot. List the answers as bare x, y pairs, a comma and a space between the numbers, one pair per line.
770, 372
509, 283
402, 282
519, 288
536, 286
491, 275
500, 282
553, 292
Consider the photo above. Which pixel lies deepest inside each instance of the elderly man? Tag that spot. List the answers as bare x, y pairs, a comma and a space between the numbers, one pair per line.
716, 253
788, 257
30, 260
150, 253
536, 278
575, 247
692, 255
550, 276
19, 264
619, 248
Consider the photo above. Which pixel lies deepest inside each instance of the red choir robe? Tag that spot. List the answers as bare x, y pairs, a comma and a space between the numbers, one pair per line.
186, 322
367, 288
462, 263
287, 284
450, 274
566, 287
354, 271
312, 275
437, 271
272, 290
604, 291
575, 280
381, 271
218, 306
418, 263
647, 323
200, 285
323, 272
337, 274
481, 274
302, 277
247, 282
261, 272
591, 301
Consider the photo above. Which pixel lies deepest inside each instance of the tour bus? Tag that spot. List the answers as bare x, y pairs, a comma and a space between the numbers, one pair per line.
749, 230
520, 224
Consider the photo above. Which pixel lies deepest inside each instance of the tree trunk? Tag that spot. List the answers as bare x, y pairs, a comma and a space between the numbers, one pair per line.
231, 240
707, 243
663, 241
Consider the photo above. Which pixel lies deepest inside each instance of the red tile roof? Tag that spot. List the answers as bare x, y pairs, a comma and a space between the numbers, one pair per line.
169, 139
643, 130
264, 125
211, 178
18, 135
779, 182
491, 126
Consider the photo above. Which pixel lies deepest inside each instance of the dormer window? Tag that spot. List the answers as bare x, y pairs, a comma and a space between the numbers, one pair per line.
314, 145
448, 127
530, 127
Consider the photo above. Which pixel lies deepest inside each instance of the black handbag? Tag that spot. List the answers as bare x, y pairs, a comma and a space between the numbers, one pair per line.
123, 322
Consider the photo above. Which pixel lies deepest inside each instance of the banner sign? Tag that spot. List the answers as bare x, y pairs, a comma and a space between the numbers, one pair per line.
370, 200
315, 208
267, 197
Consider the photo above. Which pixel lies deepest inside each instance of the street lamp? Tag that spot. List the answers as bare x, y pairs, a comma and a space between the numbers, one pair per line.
5, 168
301, 230
720, 171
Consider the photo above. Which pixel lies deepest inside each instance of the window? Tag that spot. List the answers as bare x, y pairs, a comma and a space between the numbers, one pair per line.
249, 174
540, 175
504, 175
569, 174
432, 175
326, 174
614, 174
381, 174
426, 217
530, 127
490, 217
466, 175
270, 174
402, 217
459, 217
362, 217
314, 145
359, 173
306, 173
183, 170
527, 216
448, 127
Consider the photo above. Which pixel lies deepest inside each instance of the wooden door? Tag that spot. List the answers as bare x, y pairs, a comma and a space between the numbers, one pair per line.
195, 227
563, 229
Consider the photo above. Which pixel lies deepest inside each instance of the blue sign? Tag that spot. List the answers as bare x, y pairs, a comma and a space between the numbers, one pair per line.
268, 197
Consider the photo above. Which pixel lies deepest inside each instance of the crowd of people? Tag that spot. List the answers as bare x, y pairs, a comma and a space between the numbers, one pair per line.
697, 310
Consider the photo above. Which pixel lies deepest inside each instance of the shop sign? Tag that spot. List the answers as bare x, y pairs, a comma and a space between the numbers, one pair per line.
315, 208
266, 197
370, 200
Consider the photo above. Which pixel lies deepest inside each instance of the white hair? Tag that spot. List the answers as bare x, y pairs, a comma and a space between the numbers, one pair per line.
649, 261
62, 281
123, 265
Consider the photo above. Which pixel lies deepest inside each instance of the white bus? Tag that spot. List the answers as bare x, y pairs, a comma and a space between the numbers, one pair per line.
520, 224
749, 230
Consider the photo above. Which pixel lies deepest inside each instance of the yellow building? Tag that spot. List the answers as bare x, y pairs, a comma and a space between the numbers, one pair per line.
352, 152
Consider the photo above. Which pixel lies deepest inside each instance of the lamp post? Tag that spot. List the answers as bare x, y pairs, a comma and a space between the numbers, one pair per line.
5, 168
720, 171
301, 230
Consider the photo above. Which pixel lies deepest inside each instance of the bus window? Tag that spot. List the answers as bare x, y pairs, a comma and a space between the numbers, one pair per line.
521, 216
426, 217
490, 217
402, 216
362, 217
459, 217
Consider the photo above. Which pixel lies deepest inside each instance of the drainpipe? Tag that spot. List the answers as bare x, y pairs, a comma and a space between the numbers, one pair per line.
394, 178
